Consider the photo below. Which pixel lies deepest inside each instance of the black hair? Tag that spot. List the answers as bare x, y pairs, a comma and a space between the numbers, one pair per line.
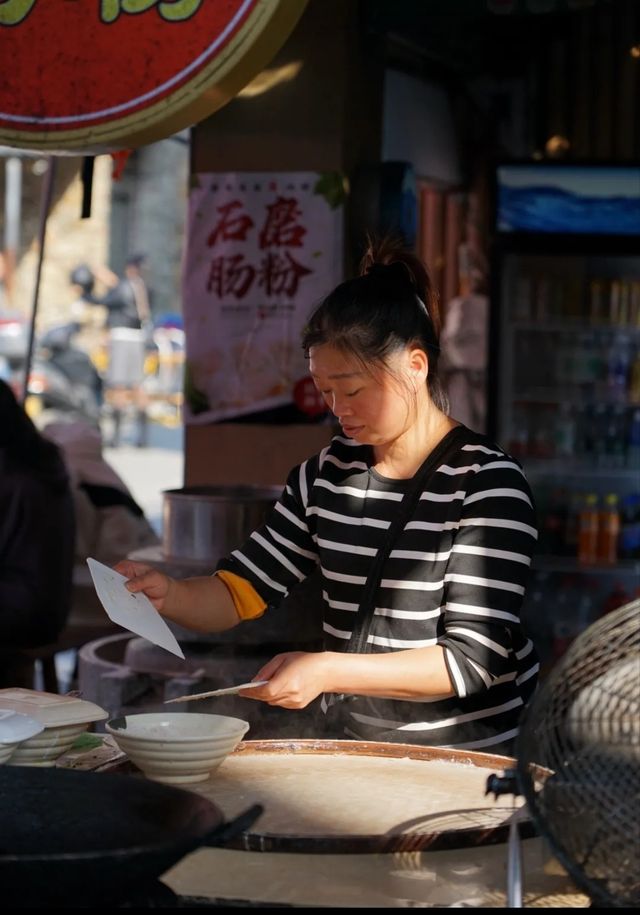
135, 259
389, 306
82, 275
23, 446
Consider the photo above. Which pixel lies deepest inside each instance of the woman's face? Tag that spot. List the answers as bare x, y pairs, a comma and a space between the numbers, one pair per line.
374, 405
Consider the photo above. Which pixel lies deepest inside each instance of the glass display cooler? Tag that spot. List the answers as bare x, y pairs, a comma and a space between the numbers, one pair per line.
564, 382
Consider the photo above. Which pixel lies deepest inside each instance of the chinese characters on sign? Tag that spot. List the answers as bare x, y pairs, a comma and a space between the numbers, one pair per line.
13, 12
262, 251
127, 72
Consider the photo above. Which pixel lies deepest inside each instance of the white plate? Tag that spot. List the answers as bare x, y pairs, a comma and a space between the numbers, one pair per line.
15, 726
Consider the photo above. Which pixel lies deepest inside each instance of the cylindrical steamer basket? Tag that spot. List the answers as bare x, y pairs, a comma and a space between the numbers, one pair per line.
362, 823
203, 523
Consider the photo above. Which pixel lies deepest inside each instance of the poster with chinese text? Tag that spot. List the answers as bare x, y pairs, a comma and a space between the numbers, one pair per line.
263, 249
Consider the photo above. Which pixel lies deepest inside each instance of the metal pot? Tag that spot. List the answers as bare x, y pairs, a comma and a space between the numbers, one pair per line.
203, 523
70, 838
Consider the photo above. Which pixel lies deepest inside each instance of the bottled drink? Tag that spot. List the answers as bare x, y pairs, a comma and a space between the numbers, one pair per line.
632, 456
614, 440
618, 369
600, 367
585, 438
609, 530
571, 525
629, 541
554, 523
565, 432
634, 304
634, 380
541, 445
615, 302
597, 302
588, 529
599, 429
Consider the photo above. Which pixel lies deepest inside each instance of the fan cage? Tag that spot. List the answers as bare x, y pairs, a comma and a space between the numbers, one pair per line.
582, 727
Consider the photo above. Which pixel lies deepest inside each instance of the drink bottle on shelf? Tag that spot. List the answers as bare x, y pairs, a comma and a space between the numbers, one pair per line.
618, 369
597, 302
571, 524
588, 520
629, 540
632, 455
614, 440
554, 524
634, 380
608, 530
565, 431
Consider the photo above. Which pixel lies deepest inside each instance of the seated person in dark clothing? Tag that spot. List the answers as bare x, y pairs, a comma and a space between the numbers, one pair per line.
37, 531
109, 522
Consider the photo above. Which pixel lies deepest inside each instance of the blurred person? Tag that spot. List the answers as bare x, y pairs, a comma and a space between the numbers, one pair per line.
109, 522
464, 342
464, 358
130, 324
82, 279
37, 538
129, 301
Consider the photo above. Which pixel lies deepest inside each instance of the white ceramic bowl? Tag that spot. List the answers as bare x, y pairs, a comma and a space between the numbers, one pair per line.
15, 728
46, 747
63, 719
177, 747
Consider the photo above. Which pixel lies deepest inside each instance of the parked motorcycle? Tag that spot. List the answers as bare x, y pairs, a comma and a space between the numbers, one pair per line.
63, 380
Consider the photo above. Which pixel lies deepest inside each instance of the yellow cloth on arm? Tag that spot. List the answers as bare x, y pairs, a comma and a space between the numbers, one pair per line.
249, 605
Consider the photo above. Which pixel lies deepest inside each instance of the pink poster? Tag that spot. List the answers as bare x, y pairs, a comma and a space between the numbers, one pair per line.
262, 250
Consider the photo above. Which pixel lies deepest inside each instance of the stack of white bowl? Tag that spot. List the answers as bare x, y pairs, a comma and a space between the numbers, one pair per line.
14, 730
61, 720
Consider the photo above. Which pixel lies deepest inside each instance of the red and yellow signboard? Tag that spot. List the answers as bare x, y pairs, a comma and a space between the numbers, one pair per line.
99, 75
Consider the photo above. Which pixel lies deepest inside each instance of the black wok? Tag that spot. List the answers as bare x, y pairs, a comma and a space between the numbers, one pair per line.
87, 838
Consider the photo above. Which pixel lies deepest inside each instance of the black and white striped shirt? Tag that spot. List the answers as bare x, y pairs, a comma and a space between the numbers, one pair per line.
455, 577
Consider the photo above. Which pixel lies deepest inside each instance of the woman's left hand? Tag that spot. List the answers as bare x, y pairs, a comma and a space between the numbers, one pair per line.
295, 678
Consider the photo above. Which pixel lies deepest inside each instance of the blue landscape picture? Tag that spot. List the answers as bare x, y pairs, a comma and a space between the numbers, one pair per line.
590, 200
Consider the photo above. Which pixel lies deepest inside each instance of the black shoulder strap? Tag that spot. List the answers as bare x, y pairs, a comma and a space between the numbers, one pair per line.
446, 446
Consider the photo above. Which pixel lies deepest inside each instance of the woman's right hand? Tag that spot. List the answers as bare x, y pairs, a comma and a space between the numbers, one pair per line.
142, 577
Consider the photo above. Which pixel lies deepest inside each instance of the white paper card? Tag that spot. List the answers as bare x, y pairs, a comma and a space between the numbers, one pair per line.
134, 612
227, 691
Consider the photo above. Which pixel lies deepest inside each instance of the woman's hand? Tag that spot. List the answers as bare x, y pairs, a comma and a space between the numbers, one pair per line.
295, 678
142, 577
202, 603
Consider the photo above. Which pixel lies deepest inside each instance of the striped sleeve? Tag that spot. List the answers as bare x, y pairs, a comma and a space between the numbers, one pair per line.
281, 552
485, 578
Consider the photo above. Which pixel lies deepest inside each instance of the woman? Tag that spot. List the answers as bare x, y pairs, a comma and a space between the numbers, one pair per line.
36, 541
439, 657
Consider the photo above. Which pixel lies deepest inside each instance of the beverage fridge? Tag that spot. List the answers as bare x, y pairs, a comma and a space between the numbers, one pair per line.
564, 381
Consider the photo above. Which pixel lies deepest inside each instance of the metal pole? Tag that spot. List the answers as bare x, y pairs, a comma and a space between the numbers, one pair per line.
45, 204
514, 868
12, 215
